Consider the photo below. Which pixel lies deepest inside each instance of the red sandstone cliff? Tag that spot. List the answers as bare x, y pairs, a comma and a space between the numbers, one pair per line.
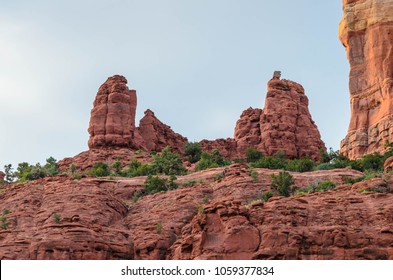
61, 218
366, 31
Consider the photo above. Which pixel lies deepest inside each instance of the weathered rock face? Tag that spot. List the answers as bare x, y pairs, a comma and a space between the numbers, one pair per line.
155, 135
112, 121
286, 124
248, 129
366, 32
60, 218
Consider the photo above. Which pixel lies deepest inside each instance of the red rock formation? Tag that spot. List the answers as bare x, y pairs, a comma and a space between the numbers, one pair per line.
227, 147
286, 124
112, 121
366, 32
59, 218
248, 129
155, 135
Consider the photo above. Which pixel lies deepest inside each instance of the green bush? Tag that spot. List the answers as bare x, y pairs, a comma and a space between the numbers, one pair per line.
9, 174
116, 167
267, 195
300, 165
193, 151
317, 187
135, 168
253, 155
168, 163
100, 169
51, 167
372, 162
154, 184
282, 183
211, 161
270, 162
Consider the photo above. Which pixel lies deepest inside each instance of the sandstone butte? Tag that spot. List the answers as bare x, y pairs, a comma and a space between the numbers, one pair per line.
366, 31
215, 217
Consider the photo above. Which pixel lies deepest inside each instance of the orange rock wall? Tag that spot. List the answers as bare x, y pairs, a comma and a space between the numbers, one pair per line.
366, 31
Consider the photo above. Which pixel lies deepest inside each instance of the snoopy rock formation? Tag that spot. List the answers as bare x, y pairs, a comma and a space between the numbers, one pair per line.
112, 121
366, 31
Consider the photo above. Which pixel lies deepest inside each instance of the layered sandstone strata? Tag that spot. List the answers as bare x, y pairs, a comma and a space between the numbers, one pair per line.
112, 121
284, 125
366, 31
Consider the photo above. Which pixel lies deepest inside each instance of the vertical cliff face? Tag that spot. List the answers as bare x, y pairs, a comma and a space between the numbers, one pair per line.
366, 32
112, 121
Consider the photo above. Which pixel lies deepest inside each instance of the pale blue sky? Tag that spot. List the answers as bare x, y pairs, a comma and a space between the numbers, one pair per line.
196, 64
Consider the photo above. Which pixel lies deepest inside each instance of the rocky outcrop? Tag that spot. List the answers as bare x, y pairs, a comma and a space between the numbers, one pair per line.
366, 31
248, 129
112, 121
61, 218
284, 125
155, 135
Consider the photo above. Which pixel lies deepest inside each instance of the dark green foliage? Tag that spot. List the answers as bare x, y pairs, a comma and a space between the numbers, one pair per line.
193, 151
300, 165
100, 169
9, 174
317, 187
270, 162
26, 172
136, 196
253, 155
168, 163
116, 167
3, 222
267, 196
51, 166
372, 162
282, 183
211, 161
135, 168
154, 184
57, 218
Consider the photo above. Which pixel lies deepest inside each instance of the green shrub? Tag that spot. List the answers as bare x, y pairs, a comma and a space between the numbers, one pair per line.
154, 184
135, 168
372, 162
300, 165
3, 222
193, 151
317, 187
9, 174
100, 169
267, 195
211, 161
190, 183
51, 167
325, 166
254, 176
270, 162
116, 167
136, 196
253, 155
57, 218
168, 163
282, 183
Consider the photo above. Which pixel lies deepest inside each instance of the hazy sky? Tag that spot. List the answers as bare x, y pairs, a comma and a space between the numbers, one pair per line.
197, 64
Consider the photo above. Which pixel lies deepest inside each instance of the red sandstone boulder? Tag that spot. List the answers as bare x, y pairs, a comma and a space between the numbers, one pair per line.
366, 32
112, 121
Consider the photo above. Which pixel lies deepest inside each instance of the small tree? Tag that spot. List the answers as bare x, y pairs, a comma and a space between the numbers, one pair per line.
100, 169
253, 155
193, 151
9, 174
168, 163
51, 166
282, 183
